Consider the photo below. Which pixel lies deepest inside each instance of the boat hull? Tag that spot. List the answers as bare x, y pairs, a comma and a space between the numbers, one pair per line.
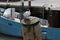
13, 28
10, 27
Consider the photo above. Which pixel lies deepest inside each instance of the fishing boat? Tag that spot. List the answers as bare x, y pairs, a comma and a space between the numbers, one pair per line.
8, 25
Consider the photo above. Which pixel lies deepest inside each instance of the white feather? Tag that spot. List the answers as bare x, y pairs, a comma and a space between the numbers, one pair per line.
27, 14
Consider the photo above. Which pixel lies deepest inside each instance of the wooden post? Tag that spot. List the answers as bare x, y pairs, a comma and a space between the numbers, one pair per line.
31, 29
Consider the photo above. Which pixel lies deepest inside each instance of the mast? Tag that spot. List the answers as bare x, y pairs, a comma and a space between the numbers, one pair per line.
7, 5
29, 4
21, 15
21, 9
7, 1
43, 11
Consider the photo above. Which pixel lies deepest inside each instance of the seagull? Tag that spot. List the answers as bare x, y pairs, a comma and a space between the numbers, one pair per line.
27, 14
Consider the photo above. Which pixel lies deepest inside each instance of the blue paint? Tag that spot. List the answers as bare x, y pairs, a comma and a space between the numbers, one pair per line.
10, 27
52, 33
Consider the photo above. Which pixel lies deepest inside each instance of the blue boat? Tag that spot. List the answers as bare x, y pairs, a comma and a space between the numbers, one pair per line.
10, 27
14, 28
